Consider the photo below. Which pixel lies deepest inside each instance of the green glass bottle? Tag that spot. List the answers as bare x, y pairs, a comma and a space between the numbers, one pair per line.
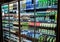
54, 2
51, 40
45, 3
41, 39
54, 40
48, 38
40, 3
55, 15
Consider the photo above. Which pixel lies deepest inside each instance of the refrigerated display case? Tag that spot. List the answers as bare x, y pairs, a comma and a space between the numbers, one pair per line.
9, 17
30, 21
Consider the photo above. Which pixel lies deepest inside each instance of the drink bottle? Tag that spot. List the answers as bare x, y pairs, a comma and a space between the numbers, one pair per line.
41, 39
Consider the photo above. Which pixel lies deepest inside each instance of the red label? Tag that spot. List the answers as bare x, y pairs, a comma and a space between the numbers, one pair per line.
32, 23
37, 24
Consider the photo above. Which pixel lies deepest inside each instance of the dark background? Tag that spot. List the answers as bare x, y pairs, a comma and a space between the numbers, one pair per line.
1, 1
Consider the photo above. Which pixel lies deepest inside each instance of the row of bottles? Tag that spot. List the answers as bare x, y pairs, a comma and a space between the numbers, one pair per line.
25, 40
48, 32
12, 8
48, 16
48, 25
29, 4
5, 8
30, 33
51, 25
44, 38
10, 36
7, 22
46, 3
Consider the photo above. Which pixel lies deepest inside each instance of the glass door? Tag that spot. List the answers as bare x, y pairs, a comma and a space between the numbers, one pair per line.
46, 20
26, 22
10, 21
13, 13
5, 22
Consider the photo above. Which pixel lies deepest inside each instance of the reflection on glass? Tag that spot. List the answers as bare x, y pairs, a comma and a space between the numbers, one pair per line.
25, 19
46, 20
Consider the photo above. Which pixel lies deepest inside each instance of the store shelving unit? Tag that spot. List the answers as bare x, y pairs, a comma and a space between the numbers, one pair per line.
8, 19
32, 22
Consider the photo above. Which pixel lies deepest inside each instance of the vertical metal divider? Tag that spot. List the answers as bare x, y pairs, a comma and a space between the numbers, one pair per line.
4, 24
9, 21
58, 26
1, 24
2, 29
19, 20
34, 1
